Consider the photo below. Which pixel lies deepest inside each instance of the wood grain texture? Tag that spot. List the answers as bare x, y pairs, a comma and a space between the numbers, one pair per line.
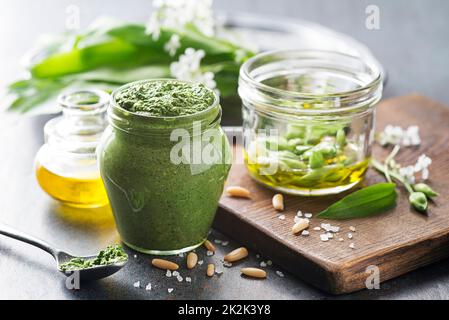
396, 242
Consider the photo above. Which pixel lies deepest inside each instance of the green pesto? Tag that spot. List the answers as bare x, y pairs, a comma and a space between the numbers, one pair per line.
110, 255
170, 98
160, 205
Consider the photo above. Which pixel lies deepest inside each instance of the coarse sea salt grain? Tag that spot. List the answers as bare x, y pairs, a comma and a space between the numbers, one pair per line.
224, 243
317, 228
218, 271
296, 219
334, 229
308, 215
341, 239
148, 287
269, 262
188, 279
349, 235
168, 274
135, 256
299, 213
170, 290
136, 284
324, 237
352, 228
175, 273
227, 264
329, 228
181, 255
351, 245
281, 217
263, 264
329, 235
200, 262
209, 253
217, 241
258, 256
305, 233
280, 273
179, 278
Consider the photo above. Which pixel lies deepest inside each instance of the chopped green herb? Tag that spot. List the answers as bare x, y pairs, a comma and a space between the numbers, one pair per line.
110, 255
169, 98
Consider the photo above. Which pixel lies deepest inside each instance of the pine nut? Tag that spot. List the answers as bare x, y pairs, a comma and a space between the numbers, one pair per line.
254, 272
278, 202
192, 259
164, 264
301, 225
237, 191
209, 246
237, 254
210, 269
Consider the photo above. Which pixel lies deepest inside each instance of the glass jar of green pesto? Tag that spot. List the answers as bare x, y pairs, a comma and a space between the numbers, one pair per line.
308, 119
164, 160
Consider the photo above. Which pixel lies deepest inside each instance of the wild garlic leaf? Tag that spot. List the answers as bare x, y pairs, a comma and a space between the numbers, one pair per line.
121, 76
110, 53
368, 201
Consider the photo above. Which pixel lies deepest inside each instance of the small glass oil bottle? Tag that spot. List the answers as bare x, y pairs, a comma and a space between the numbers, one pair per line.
66, 165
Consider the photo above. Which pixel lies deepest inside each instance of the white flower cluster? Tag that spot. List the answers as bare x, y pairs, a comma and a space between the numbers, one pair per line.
397, 136
240, 56
175, 14
422, 165
172, 45
187, 68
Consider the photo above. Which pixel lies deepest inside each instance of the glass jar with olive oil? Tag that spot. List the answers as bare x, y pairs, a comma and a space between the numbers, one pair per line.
308, 119
66, 165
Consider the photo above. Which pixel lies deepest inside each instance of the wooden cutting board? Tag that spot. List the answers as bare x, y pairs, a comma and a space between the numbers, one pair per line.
397, 242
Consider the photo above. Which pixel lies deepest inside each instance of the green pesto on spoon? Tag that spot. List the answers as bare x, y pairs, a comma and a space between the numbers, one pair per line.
95, 267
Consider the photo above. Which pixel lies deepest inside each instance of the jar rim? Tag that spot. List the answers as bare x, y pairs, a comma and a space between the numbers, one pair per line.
347, 95
102, 99
138, 123
114, 103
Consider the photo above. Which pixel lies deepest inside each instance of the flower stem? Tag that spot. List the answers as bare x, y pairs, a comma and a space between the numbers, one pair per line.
383, 169
390, 157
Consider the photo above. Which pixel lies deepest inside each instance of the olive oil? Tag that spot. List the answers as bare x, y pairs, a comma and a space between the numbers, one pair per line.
310, 182
86, 192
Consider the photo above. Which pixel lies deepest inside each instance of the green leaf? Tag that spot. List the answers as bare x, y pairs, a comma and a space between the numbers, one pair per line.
316, 160
133, 33
340, 138
23, 95
125, 75
217, 50
368, 201
39, 96
110, 53
192, 37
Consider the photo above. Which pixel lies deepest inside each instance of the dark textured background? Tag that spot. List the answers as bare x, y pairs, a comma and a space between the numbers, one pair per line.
411, 43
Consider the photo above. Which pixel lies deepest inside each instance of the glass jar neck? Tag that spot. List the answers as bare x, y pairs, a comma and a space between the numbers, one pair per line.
82, 123
310, 83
